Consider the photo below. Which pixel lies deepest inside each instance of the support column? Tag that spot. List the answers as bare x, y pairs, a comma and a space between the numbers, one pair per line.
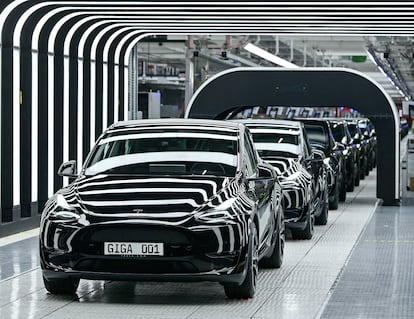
189, 73
133, 84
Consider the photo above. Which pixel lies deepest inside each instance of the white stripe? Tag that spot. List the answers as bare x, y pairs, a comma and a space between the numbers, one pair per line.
124, 160
190, 202
92, 103
173, 127
16, 128
80, 115
283, 147
50, 127
18, 237
65, 115
287, 131
35, 118
148, 180
167, 135
147, 190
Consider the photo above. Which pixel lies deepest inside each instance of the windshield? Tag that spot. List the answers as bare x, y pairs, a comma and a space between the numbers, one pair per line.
276, 142
317, 134
163, 152
353, 129
339, 134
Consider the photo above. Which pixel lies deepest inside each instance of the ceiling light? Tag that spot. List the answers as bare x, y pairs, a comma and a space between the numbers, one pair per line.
268, 56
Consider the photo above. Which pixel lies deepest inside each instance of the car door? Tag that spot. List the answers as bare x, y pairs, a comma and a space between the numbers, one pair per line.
311, 169
262, 187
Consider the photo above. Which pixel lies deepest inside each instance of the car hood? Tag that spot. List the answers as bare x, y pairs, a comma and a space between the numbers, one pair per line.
141, 195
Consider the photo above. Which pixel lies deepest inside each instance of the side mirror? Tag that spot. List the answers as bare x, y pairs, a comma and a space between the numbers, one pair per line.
317, 156
341, 146
68, 169
264, 171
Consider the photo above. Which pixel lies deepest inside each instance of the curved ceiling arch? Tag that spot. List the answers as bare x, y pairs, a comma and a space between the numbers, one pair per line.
310, 87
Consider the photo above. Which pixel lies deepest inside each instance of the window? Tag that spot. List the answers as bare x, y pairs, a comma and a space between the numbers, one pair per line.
249, 156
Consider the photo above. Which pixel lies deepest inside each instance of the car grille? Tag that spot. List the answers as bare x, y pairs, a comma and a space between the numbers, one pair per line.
177, 241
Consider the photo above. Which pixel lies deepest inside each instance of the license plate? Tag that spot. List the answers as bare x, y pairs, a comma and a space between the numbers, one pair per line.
133, 249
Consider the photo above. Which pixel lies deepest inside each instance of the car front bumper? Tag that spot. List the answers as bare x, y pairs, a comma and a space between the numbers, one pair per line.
214, 253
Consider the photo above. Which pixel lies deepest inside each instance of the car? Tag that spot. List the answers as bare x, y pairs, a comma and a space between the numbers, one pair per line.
302, 172
321, 138
344, 140
165, 200
370, 136
404, 127
361, 147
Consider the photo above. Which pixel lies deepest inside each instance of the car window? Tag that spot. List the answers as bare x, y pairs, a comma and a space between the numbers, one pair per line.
276, 141
339, 133
307, 149
249, 157
317, 134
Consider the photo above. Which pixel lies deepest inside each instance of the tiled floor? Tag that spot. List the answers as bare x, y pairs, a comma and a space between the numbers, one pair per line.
300, 289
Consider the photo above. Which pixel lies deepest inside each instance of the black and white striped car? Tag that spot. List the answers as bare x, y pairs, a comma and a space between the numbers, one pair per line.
302, 172
165, 200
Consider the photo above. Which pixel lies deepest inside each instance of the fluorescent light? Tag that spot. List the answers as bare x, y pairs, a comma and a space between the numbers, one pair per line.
268, 56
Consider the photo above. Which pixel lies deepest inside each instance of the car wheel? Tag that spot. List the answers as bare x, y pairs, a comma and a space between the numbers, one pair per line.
363, 170
248, 286
334, 199
61, 286
358, 175
306, 233
322, 219
342, 188
374, 160
275, 260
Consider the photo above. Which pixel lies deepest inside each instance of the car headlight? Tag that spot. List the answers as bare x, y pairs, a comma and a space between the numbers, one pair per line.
217, 214
63, 212
291, 177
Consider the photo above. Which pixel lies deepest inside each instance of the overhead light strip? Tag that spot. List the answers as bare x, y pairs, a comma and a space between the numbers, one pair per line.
268, 56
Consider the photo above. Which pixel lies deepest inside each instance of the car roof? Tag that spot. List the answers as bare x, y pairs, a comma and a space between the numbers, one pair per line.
179, 121
285, 123
313, 120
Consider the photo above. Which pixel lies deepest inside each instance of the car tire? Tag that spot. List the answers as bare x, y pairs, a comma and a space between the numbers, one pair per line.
358, 175
275, 260
362, 170
61, 286
307, 232
342, 192
248, 287
322, 219
351, 186
334, 200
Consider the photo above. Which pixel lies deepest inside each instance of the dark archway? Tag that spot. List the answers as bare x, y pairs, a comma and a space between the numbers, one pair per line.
311, 87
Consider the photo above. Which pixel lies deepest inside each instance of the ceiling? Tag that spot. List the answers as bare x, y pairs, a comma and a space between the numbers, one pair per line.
386, 59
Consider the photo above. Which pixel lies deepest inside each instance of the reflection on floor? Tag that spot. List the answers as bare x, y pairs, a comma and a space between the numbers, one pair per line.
302, 288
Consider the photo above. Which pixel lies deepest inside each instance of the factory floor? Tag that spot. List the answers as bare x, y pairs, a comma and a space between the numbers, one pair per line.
360, 265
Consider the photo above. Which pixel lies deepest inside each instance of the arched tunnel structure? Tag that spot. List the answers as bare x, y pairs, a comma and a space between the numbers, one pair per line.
64, 73
310, 87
